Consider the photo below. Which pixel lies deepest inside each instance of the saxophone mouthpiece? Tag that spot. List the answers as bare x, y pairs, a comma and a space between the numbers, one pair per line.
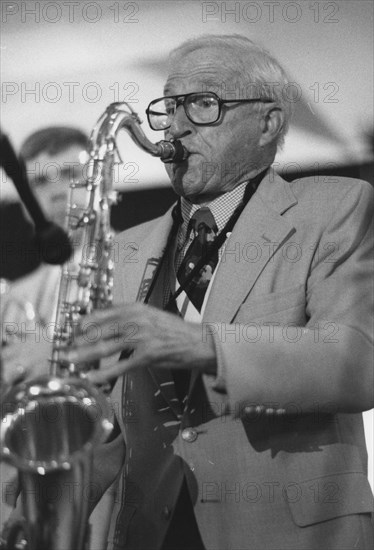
172, 151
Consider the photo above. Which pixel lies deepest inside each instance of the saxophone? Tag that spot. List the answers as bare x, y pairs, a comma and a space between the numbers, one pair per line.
51, 425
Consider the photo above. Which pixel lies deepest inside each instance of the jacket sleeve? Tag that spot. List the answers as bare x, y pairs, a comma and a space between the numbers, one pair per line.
329, 362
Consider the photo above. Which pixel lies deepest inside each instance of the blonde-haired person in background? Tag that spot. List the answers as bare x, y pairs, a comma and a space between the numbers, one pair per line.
53, 158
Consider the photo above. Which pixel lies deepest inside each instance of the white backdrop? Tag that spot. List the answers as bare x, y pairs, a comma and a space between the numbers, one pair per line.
63, 62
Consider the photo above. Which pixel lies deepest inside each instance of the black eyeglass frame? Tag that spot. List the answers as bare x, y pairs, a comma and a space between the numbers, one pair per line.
182, 99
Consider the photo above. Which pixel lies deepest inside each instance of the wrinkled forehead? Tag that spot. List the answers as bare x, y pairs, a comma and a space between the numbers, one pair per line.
205, 69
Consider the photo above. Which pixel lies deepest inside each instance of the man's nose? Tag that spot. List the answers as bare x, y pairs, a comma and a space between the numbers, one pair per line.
180, 124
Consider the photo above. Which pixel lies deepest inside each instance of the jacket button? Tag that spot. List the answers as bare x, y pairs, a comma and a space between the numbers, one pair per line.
166, 512
189, 435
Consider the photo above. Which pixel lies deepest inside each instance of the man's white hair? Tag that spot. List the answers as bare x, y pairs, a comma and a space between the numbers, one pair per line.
253, 69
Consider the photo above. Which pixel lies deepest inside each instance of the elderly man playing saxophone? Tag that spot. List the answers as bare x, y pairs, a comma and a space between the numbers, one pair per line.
243, 376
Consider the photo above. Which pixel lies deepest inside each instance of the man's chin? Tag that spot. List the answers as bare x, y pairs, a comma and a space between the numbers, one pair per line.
180, 179
185, 181
188, 190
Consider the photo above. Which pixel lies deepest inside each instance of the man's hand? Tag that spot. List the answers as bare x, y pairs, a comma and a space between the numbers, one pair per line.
158, 339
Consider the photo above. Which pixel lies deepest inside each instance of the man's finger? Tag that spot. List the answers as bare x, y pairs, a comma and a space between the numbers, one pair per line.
102, 376
114, 313
102, 348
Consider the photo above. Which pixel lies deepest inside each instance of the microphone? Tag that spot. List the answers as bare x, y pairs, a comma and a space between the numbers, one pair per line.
51, 240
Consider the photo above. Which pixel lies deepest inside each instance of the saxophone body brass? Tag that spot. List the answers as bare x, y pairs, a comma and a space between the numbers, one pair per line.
51, 425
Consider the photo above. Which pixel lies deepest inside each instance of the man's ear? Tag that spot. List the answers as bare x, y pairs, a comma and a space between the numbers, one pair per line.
271, 125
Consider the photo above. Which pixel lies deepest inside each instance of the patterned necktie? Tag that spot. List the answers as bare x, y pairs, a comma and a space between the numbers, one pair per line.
205, 230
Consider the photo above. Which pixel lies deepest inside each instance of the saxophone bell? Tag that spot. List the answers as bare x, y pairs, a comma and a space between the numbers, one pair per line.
48, 433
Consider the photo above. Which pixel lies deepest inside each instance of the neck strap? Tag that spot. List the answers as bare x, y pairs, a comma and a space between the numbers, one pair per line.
250, 189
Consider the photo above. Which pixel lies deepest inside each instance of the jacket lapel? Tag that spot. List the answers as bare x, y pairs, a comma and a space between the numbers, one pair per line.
257, 235
143, 258
150, 252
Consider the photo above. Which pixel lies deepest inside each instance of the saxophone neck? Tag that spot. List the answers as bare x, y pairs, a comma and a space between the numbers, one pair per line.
121, 116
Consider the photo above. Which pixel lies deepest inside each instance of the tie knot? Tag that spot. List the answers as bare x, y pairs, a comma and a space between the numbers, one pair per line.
203, 219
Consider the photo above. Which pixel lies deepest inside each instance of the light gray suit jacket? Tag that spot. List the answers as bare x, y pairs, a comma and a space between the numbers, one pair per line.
275, 457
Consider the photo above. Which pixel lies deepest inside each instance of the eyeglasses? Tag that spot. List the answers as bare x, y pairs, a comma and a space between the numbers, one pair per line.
201, 108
